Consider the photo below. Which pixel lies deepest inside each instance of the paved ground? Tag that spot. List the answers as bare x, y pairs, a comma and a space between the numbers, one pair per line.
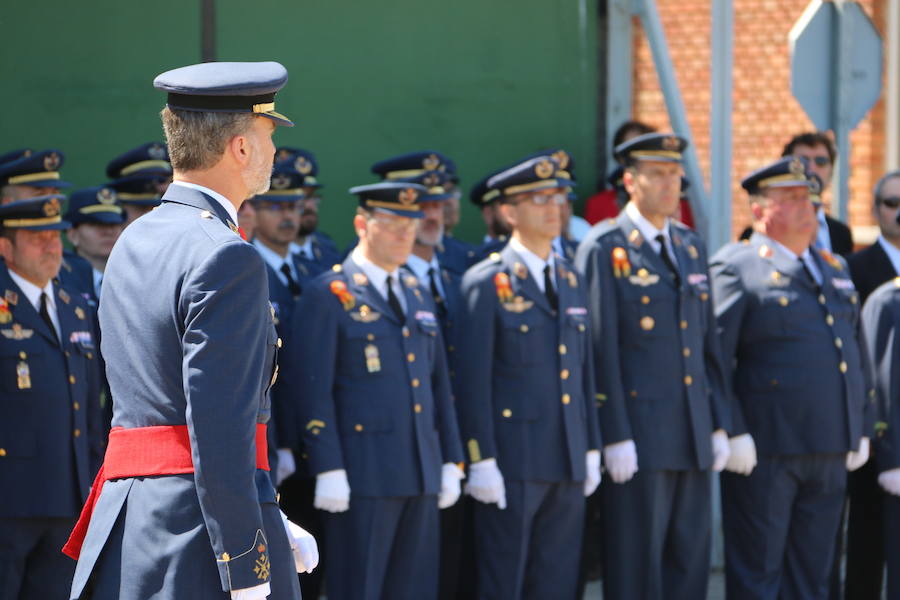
716, 588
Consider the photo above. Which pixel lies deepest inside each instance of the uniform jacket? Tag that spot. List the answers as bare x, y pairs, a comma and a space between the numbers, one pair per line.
50, 432
799, 371
526, 385
657, 359
189, 339
373, 392
455, 255
869, 268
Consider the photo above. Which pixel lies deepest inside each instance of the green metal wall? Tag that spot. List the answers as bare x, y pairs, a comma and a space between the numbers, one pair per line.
482, 81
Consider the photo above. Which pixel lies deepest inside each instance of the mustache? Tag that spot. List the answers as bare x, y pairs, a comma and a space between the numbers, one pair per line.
287, 225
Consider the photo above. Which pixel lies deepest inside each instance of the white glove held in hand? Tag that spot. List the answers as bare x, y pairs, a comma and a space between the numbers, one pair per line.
286, 465
303, 546
720, 450
743, 454
592, 472
450, 486
332, 491
857, 458
621, 460
890, 481
257, 592
486, 483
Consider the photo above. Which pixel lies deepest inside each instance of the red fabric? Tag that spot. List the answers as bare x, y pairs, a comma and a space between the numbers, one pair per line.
602, 205
146, 452
243, 234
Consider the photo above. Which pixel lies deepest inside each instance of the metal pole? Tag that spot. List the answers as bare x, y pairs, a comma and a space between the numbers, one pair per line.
207, 30
618, 72
719, 216
840, 189
892, 129
665, 72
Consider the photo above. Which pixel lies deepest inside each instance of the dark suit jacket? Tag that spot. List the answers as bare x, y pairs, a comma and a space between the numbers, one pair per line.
869, 268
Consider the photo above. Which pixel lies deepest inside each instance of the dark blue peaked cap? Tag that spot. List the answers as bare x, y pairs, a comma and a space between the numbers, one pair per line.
435, 182
530, 175
660, 147
304, 162
235, 87
39, 169
286, 185
97, 204
41, 213
151, 158
788, 171
15, 155
394, 197
409, 165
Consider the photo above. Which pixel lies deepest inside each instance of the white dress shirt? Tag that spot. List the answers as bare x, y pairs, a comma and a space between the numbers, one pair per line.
823, 236
535, 263
305, 249
276, 261
649, 231
33, 293
420, 268
378, 277
807, 259
225, 202
98, 281
893, 253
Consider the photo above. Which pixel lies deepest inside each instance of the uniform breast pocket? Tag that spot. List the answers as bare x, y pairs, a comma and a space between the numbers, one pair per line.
578, 326
429, 331
775, 308
16, 363
646, 310
519, 332
365, 350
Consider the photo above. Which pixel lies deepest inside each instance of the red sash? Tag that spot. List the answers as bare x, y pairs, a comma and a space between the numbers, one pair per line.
145, 452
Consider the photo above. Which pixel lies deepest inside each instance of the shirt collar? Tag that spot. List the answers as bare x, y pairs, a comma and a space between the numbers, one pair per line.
420, 267
647, 229
272, 258
225, 202
306, 246
534, 262
376, 274
33, 292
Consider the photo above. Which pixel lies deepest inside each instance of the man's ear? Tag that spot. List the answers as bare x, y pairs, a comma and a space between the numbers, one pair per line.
360, 226
72, 235
756, 208
628, 180
6, 249
239, 149
508, 213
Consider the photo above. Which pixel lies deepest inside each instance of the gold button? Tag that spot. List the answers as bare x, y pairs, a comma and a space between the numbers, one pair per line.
821, 298
686, 352
562, 349
76, 406
829, 319
838, 342
647, 323
279, 343
67, 353
506, 413
523, 328
315, 431
633, 393
853, 299
72, 379
90, 356
688, 380
704, 296
581, 327
226, 557
564, 374
415, 383
566, 398
77, 432
843, 366
783, 301
2, 451
411, 357
406, 332
418, 408
358, 427
645, 299
22, 355
684, 324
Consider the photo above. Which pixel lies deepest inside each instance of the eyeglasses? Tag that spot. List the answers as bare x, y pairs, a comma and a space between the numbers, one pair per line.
821, 161
287, 207
544, 199
891, 202
401, 225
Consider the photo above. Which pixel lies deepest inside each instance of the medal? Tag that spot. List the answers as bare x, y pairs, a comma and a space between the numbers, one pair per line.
23, 375
373, 360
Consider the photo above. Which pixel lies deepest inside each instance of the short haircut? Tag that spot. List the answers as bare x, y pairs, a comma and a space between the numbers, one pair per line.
197, 140
879, 186
630, 126
812, 139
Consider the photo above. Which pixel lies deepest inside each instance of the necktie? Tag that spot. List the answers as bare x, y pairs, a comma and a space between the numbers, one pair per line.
549, 291
45, 315
809, 274
293, 287
664, 255
394, 301
435, 292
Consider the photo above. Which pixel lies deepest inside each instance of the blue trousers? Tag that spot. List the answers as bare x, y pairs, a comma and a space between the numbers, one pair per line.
32, 565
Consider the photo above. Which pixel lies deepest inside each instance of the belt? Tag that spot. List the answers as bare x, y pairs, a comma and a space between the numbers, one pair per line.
145, 452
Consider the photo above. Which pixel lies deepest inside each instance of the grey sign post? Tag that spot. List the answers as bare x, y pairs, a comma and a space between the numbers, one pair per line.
836, 62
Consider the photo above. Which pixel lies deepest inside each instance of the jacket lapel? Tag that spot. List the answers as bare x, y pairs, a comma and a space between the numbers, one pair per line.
642, 247
522, 282
23, 312
365, 291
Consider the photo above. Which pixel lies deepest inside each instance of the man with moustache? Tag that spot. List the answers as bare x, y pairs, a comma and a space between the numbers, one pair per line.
183, 506
379, 426
663, 406
50, 430
788, 320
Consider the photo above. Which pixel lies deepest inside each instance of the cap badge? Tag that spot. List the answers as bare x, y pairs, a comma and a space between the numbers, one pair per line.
431, 162
106, 196
670, 143
408, 196
544, 169
281, 181
562, 157
303, 165
796, 167
51, 161
51, 207
156, 152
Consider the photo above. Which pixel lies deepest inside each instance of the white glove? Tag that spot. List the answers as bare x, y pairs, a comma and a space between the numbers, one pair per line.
486, 483
286, 465
257, 592
890, 481
857, 458
303, 546
720, 450
743, 454
621, 460
332, 491
592, 472
450, 486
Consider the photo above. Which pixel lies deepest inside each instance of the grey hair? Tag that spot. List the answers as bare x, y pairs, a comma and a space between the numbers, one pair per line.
197, 140
879, 187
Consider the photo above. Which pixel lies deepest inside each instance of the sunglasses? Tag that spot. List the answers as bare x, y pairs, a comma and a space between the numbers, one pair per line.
821, 161
891, 202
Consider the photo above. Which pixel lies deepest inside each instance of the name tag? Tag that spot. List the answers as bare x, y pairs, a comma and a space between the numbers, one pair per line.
843, 284
425, 316
696, 278
576, 310
82, 338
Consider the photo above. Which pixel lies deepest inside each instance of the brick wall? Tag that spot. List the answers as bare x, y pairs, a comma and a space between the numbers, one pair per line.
765, 114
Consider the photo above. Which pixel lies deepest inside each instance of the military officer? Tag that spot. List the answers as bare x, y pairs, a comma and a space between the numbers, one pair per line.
498, 230
368, 366
526, 399
50, 432
140, 176
880, 323
788, 319
191, 367
663, 429
32, 174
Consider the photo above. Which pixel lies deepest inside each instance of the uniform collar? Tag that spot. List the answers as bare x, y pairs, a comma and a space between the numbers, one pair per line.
420, 267
534, 262
33, 292
225, 202
377, 276
647, 229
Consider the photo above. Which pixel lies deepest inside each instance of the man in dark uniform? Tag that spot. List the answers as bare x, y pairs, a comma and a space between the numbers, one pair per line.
184, 505
526, 399
50, 431
788, 320
880, 324
660, 382
32, 174
498, 230
380, 429
140, 176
